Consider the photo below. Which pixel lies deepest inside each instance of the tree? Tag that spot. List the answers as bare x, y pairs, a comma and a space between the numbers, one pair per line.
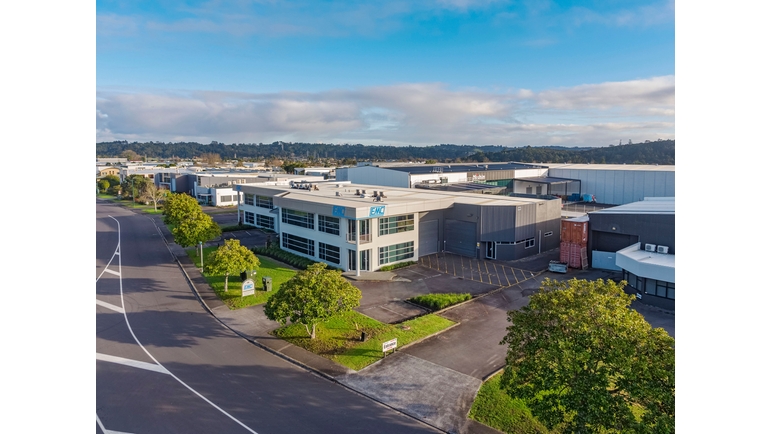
312, 296
103, 185
230, 258
581, 359
134, 185
190, 224
210, 158
154, 194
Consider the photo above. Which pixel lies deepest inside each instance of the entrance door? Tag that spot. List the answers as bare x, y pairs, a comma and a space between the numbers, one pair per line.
365, 260
429, 237
490, 252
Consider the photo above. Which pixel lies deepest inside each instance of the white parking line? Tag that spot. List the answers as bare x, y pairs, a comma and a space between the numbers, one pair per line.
133, 363
107, 270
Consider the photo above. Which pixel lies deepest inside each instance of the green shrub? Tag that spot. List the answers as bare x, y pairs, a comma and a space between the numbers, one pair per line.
440, 301
275, 252
234, 228
399, 265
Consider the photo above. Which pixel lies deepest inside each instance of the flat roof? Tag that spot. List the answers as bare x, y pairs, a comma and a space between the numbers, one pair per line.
546, 180
326, 194
456, 168
643, 167
650, 205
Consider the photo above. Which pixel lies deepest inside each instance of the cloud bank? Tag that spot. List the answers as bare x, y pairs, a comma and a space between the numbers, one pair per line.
402, 114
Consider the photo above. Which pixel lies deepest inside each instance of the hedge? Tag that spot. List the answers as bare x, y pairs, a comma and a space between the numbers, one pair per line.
439, 301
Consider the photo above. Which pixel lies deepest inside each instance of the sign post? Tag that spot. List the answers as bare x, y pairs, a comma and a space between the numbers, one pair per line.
389, 345
247, 287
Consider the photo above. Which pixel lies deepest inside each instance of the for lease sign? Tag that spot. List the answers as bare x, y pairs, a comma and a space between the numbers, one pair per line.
389, 345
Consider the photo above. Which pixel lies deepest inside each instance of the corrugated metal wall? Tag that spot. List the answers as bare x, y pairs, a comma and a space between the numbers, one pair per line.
619, 187
524, 221
496, 223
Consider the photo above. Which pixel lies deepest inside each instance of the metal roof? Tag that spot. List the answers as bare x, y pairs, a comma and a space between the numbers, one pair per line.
650, 205
644, 167
456, 168
546, 180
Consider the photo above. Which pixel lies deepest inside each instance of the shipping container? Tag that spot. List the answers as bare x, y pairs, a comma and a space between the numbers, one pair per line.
575, 231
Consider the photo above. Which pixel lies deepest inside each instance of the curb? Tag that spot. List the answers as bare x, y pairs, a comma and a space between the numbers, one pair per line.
281, 355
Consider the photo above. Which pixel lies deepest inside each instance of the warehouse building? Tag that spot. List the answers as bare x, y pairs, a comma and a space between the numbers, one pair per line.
618, 184
364, 227
638, 239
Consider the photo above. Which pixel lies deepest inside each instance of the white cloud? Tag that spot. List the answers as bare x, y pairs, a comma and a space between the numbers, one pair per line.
409, 113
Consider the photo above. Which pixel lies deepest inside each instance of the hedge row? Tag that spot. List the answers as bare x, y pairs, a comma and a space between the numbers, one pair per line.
439, 301
399, 265
276, 253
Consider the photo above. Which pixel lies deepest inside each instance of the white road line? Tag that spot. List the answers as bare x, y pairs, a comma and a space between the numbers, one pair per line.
132, 363
125, 317
110, 306
107, 270
107, 431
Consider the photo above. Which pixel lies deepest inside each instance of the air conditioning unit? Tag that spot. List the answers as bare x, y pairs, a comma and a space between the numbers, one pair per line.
650, 247
662, 249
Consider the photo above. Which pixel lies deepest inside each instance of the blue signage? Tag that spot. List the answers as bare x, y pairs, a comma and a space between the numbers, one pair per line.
375, 211
238, 187
338, 211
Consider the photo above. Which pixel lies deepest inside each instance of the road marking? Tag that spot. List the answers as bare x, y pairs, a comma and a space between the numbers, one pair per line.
109, 306
125, 317
107, 431
107, 270
133, 363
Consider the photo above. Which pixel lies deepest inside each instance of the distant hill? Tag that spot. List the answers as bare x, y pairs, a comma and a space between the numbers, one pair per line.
658, 152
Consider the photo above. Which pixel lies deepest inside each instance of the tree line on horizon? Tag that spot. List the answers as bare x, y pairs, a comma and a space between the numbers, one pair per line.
649, 152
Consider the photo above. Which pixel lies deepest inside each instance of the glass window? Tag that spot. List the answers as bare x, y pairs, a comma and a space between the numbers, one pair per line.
396, 224
298, 244
297, 218
264, 221
530, 242
249, 217
330, 225
264, 202
248, 199
397, 252
329, 253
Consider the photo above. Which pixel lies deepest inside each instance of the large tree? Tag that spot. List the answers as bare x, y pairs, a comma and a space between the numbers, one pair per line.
230, 258
312, 296
190, 225
154, 194
584, 361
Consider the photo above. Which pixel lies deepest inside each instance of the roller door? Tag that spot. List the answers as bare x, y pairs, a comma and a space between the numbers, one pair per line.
429, 237
460, 237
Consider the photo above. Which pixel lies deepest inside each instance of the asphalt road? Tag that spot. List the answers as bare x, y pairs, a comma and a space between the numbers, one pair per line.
165, 365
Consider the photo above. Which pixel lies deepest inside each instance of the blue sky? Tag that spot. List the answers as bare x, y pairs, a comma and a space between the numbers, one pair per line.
512, 73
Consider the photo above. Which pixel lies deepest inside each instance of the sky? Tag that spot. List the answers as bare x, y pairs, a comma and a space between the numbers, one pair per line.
478, 72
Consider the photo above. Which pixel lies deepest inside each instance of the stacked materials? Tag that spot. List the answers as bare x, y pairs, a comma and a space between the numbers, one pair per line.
574, 237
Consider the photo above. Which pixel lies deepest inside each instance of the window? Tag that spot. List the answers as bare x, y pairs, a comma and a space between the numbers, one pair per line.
249, 217
397, 252
530, 242
298, 244
297, 218
226, 198
665, 289
396, 224
264, 202
330, 225
266, 222
547, 234
248, 199
329, 253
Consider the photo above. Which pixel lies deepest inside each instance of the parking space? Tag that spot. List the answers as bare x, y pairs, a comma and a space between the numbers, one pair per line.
472, 269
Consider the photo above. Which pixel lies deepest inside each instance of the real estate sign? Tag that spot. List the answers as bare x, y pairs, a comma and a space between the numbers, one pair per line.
389, 345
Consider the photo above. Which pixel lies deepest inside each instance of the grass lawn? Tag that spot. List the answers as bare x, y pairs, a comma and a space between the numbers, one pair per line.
339, 340
493, 407
280, 273
129, 204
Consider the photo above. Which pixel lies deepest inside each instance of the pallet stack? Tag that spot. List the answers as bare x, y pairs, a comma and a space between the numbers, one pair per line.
574, 237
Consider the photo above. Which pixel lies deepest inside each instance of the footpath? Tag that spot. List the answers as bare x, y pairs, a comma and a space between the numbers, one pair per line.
433, 394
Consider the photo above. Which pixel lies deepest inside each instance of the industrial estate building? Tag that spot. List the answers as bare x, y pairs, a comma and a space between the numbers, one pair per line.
365, 227
638, 239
